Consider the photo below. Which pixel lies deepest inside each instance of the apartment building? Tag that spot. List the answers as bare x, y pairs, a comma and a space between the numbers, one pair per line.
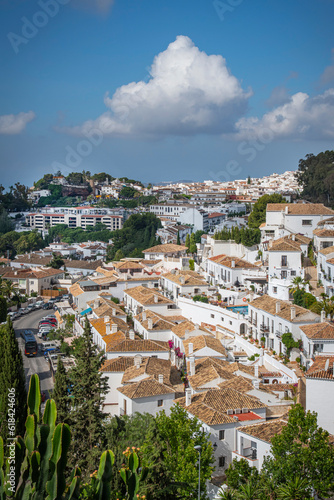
171, 211
74, 217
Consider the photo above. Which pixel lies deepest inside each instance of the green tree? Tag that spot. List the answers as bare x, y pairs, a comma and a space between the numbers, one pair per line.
56, 262
295, 489
191, 264
178, 241
60, 393
128, 192
289, 342
119, 255
192, 246
3, 309
258, 214
12, 381
239, 472
249, 181
89, 387
316, 177
302, 449
188, 241
6, 223
181, 433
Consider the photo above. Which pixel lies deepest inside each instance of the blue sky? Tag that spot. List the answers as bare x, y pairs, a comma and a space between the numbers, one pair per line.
164, 91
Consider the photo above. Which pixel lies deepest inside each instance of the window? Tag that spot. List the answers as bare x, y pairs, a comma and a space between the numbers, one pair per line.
274, 289
284, 261
284, 274
222, 318
293, 273
306, 222
221, 435
230, 322
212, 315
160, 402
221, 461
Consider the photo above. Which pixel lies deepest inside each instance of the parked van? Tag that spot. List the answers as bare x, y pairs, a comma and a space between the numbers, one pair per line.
49, 344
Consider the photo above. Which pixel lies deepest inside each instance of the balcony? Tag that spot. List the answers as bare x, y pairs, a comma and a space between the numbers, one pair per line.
264, 328
254, 322
278, 334
252, 462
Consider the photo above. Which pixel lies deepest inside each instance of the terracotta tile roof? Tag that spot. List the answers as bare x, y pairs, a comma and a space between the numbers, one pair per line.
185, 328
268, 304
276, 387
153, 367
139, 346
148, 262
117, 364
207, 370
32, 273
239, 383
319, 330
167, 248
184, 278
104, 280
202, 341
285, 246
146, 296
327, 250
113, 339
320, 364
240, 367
226, 260
211, 406
106, 272
146, 388
158, 323
82, 264
75, 290
128, 264
264, 431
327, 373
325, 221
100, 325
300, 208
324, 233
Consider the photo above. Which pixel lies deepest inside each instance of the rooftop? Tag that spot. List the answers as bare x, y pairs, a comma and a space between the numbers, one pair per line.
300, 208
145, 388
266, 430
319, 330
268, 304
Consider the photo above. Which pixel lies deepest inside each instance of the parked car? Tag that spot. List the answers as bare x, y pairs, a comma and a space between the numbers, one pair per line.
47, 305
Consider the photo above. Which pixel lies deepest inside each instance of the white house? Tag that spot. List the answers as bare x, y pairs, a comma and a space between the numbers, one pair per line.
225, 270
253, 442
318, 340
320, 390
147, 396
195, 217
178, 283
162, 252
113, 370
140, 298
285, 218
270, 318
221, 411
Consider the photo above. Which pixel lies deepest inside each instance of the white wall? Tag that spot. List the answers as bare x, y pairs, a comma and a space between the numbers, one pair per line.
318, 400
148, 404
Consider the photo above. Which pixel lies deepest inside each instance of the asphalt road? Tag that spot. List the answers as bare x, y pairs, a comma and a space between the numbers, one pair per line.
36, 364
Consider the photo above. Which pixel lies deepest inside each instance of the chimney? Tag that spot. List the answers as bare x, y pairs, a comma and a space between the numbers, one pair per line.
137, 361
286, 210
182, 280
256, 371
190, 348
96, 303
323, 316
278, 307
114, 312
188, 396
131, 335
149, 324
161, 379
293, 313
293, 237
156, 299
233, 263
114, 328
143, 316
192, 365
107, 328
256, 384
106, 319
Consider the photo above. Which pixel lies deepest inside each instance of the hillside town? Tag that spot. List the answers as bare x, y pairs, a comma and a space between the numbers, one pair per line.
234, 334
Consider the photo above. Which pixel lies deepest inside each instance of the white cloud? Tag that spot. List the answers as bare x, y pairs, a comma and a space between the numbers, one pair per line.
303, 117
14, 124
328, 74
188, 92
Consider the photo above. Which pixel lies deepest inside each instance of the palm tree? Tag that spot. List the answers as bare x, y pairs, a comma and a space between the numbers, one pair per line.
228, 495
296, 489
269, 489
249, 491
8, 288
298, 283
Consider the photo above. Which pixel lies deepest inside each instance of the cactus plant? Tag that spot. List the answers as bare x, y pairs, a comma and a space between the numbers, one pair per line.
131, 474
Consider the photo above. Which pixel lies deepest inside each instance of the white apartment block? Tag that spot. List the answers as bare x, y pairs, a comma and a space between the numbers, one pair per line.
74, 217
170, 211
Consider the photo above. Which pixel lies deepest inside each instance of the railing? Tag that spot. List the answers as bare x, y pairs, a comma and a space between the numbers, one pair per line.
122, 411
278, 334
264, 328
254, 322
250, 453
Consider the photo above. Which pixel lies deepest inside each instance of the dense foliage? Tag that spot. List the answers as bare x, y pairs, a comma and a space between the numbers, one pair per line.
246, 236
137, 234
15, 199
316, 177
300, 466
19, 243
12, 381
99, 232
258, 214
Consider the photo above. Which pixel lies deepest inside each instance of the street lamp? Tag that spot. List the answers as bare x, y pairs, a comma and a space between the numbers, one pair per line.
199, 449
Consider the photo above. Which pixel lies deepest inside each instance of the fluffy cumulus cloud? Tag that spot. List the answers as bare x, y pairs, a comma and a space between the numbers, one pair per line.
302, 117
14, 124
188, 92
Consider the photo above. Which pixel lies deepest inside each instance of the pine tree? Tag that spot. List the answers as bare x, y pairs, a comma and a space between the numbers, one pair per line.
178, 241
152, 238
188, 241
192, 246
60, 393
12, 378
88, 393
